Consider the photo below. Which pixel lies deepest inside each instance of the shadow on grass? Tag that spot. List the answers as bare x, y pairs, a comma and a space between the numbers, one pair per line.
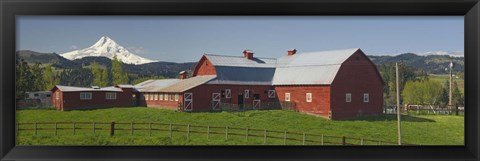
390, 117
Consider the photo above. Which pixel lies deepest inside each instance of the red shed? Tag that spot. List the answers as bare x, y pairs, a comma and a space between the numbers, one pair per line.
72, 98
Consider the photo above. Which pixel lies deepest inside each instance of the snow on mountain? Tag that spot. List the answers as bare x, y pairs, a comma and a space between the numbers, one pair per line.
450, 53
106, 47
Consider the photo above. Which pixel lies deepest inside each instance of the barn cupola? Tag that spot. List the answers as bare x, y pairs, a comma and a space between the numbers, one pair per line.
291, 52
248, 54
183, 74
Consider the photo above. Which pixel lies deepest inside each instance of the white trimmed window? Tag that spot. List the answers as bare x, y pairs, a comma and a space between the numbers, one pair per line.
247, 93
348, 97
166, 96
111, 96
309, 97
271, 93
155, 97
171, 97
85, 95
366, 98
228, 93
151, 96
161, 96
176, 97
146, 97
57, 95
287, 97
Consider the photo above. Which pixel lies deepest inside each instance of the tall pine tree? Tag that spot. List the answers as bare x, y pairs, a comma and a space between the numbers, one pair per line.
118, 75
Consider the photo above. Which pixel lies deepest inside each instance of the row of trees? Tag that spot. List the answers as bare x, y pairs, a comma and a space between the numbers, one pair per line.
40, 78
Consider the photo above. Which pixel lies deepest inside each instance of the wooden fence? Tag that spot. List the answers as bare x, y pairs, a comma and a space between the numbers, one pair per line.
209, 131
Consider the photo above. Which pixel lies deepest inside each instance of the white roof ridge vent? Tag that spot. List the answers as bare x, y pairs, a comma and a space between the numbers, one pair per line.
95, 87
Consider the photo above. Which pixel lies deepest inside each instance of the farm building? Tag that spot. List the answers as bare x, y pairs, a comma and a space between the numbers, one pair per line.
72, 98
336, 84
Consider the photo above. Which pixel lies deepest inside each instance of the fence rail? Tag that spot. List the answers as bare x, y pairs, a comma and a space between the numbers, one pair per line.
220, 131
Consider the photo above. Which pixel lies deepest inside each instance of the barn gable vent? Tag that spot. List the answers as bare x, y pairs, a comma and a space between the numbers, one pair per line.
248, 54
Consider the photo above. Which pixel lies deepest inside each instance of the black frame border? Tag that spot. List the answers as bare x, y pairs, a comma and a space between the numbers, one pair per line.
9, 9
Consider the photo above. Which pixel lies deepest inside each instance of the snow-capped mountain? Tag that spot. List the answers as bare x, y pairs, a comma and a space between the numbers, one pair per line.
106, 47
450, 53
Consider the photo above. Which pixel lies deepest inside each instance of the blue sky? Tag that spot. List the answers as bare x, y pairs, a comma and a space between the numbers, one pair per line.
186, 38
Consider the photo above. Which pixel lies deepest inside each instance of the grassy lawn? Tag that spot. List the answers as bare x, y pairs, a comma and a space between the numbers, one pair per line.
424, 129
444, 77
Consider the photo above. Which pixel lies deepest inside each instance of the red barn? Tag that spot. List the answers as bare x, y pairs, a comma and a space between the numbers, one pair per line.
73, 98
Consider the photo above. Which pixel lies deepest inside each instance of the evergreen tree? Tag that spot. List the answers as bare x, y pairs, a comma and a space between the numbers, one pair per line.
457, 98
118, 75
105, 80
23, 81
50, 78
80, 77
37, 77
99, 78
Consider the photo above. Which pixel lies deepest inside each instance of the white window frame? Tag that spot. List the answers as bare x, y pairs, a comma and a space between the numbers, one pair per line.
348, 97
308, 97
111, 95
247, 93
146, 96
171, 97
287, 97
85, 95
176, 97
366, 97
161, 96
228, 93
271, 94
165, 96
57, 95
155, 97
151, 96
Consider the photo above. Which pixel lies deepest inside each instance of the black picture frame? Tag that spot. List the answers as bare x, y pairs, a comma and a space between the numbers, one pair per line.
467, 8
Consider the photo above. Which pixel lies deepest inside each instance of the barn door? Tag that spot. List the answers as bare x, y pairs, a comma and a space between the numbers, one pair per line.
216, 101
256, 104
188, 101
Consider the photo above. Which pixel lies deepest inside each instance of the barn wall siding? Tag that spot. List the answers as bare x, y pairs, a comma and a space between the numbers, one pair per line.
202, 95
164, 104
320, 104
204, 67
357, 76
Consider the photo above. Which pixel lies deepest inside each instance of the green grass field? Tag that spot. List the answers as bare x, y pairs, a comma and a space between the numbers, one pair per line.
424, 129
441, 78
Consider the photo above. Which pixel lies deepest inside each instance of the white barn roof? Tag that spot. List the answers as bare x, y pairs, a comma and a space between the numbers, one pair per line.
240, 61
84, 89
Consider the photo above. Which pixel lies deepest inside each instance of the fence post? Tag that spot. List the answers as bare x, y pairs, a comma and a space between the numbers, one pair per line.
226, 132
246, 134
55, 128
322, 139
265, 136
344, 139
361, 141
93, 127
35, 128
74, 123
150, 129
304, 137
285, 138
208, 132
131, 128
112, 129
170, 130
188, 131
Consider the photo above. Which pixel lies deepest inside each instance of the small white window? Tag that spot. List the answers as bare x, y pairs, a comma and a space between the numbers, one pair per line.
228, 93
366, 98
247, 93
171, 97
271, 93
155, 97
151, 96
146, 97
111, 96
287, 97
176, 97
165, 96
161, 96
57, 95
309, 97
348, 97
85, 95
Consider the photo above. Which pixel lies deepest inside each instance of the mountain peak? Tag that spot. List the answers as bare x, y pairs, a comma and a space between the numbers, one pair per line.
107, 47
